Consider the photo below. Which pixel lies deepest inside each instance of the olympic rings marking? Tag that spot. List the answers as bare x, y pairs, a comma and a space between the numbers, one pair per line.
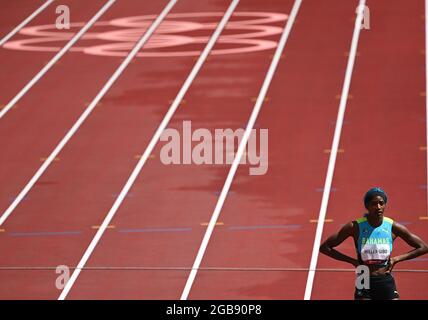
242, 34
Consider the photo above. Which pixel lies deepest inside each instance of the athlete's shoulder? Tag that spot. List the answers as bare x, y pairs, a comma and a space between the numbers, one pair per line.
354, 228
347, 229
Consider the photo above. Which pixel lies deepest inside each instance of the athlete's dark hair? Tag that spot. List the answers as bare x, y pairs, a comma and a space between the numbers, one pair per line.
374, 192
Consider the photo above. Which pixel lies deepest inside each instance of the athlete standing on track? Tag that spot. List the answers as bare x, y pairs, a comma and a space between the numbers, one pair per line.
373, 237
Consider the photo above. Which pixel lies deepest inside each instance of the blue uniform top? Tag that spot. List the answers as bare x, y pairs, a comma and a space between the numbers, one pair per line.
374, 244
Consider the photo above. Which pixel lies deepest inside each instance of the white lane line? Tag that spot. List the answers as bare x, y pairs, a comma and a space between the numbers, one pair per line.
87, 112
241, 149
334, 149
149, 149
55, 59
426, 84
25, 22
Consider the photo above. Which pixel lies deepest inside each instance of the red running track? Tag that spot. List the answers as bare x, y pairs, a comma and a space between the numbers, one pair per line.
385, 128
11, 16
83, 173
299, 116
266, 219
177, 202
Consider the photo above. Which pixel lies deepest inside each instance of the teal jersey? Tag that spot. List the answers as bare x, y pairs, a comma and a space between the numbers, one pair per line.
374, 244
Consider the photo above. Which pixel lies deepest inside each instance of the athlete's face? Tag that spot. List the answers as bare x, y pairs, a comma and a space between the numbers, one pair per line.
377, 206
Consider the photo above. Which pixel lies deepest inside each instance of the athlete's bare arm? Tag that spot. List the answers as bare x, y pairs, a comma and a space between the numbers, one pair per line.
420, 247
348, 230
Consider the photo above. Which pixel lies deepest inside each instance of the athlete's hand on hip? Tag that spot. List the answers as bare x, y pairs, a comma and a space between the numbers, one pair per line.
391, 264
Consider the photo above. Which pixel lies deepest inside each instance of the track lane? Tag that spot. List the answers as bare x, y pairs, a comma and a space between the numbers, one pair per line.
149, 284
14, 13
382, 139
65, 196
51, 108
50, 64
186, 195
300, 116
17, 69
153, 141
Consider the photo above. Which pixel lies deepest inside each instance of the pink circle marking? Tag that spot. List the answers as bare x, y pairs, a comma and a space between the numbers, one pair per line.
245, 32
